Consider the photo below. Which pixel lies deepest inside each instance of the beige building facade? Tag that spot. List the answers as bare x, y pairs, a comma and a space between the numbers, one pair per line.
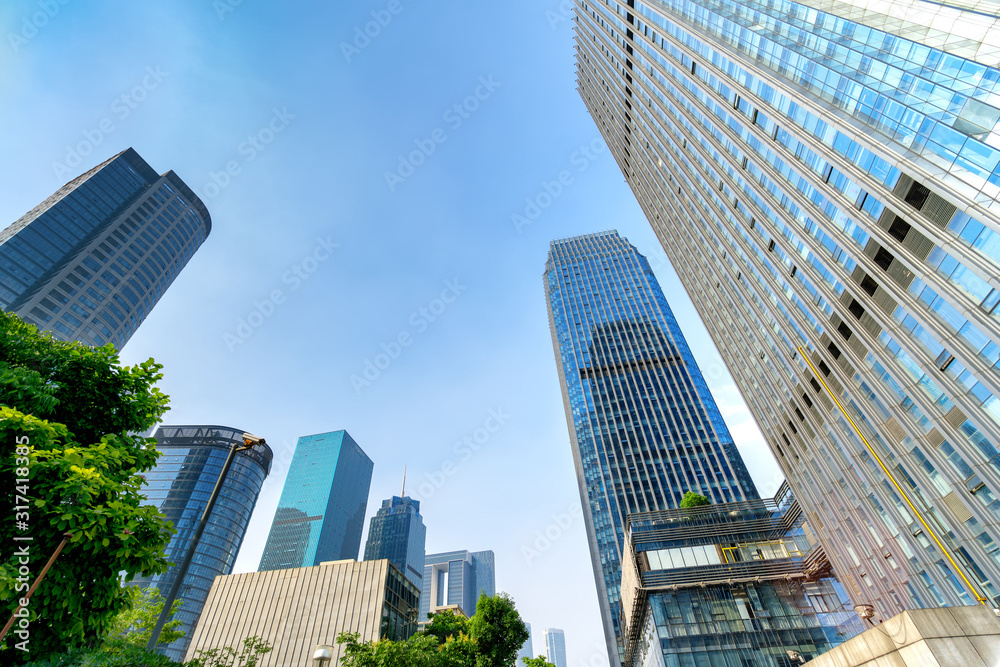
297, 609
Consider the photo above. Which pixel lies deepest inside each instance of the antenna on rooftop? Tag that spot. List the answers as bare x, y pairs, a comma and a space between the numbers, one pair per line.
403, 492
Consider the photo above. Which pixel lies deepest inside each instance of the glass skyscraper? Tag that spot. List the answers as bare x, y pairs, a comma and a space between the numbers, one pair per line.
91, 261
456, 579
179, 486
526, 648
823, 175
397, 532
555, 647
321, 512
643, 425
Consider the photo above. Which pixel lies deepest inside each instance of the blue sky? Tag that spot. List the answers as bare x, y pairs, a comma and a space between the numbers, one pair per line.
353, 204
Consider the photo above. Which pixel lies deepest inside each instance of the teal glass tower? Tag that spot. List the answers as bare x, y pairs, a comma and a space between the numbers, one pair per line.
397, 532
91, 261
321, 512
643, 425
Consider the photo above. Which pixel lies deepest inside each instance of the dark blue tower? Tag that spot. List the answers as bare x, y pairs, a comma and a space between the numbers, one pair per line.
397, 532
643, 425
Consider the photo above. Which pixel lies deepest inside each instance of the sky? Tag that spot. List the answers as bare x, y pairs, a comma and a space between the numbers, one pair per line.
377, 172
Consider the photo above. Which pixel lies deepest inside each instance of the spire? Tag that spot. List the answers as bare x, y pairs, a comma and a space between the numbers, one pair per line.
402, 494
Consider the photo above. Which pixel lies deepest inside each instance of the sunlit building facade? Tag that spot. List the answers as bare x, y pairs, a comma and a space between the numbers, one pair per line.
823, 176
179, 486
321, 512
455, 580
555, 647
643, 425
91, 261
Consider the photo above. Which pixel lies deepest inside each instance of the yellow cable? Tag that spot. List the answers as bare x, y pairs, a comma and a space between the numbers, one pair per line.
888, 474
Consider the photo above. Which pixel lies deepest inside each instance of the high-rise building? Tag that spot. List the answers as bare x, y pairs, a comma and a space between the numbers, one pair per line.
730, 584
321, 512
823, 175
455, 580
397, 532
526, 648
297, 609
644, 427
555, 647
179, 486
91, 261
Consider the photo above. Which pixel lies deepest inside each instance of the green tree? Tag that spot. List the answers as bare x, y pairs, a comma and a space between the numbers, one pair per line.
540, 661
692, 499
134, 624
445, 624
69, 415
227, 656
498, 631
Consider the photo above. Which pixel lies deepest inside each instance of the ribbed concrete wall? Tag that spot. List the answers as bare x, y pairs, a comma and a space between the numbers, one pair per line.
293, 609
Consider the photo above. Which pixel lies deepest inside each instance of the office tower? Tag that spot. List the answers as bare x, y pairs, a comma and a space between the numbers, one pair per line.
730, 584
397, 532
525, 651
321, 512
454, 580
297, 609
179, 486
91, 261
555, 647
823, 177
643, 426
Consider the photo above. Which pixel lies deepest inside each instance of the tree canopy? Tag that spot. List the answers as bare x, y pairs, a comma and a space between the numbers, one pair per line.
692, 499
491, 638
69, 419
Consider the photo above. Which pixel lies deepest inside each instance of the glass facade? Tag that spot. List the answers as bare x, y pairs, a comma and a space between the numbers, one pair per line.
526, 649
321, 512
456, 578
644, 427
823, 178
397, 532
731, 585
179, 486
555, 647
91, 261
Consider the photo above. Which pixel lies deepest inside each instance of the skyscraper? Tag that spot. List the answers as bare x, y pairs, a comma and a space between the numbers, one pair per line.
824, 178
397, 532
643, 426
91, 261
179, 486
321, 512
555, 647
526, 648
456, 579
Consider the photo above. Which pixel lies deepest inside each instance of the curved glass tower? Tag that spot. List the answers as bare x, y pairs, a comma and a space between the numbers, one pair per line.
643, 425
91, 261
179, 486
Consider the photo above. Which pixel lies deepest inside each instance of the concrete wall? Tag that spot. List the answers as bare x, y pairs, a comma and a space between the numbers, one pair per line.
966, 636
294, 609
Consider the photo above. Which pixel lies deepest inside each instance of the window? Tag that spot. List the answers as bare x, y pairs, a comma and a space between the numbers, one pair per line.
899, 228
845, 331
834, 350
824, 369
856, 309
869, 285
917, 195
814, 384
883, 258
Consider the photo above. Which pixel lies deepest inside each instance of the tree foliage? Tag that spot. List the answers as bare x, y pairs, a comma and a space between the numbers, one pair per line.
69, 415
692, 499
539, 661
134, 624
491, 638
227, 656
